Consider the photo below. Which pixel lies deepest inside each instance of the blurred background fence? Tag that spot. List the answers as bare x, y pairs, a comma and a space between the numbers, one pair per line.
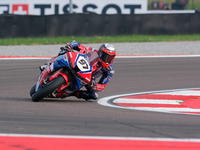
98, 25
156, 20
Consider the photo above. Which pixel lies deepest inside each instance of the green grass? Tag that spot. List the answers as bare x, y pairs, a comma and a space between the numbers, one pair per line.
100, 39
192, 4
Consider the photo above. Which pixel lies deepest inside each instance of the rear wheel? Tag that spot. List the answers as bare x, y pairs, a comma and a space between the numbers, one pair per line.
48, 89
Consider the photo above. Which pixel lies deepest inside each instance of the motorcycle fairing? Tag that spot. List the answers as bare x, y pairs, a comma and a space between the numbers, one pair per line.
83, 65
42, 76
61, 61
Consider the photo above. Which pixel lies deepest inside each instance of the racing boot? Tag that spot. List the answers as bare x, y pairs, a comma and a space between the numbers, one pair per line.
88, 96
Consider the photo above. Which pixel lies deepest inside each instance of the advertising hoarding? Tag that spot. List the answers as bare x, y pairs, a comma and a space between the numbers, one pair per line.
52, 7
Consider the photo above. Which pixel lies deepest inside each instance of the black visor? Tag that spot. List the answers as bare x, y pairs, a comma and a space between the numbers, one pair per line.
107, 58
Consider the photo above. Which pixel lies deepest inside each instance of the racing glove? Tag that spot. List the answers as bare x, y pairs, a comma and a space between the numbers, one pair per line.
69, 46
63, 50
97, 87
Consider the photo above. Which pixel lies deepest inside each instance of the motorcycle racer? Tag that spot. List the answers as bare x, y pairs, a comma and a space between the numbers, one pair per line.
102, 60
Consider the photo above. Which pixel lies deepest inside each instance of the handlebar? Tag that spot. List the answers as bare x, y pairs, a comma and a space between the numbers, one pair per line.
64, 49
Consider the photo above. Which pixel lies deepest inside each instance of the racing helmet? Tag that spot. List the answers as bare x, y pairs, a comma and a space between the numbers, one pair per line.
107, 54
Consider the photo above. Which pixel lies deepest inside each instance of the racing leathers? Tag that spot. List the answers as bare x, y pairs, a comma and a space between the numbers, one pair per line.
105, 74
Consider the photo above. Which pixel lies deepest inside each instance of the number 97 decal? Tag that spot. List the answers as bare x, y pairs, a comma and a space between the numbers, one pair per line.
83, 64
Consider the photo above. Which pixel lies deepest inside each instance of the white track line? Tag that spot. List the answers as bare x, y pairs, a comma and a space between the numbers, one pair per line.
146, 101
103, 137
184, 93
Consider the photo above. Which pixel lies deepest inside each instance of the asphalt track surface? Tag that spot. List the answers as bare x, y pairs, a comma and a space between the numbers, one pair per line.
71, 116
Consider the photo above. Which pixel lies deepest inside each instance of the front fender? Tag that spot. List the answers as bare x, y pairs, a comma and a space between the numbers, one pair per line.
65, 77
58, 73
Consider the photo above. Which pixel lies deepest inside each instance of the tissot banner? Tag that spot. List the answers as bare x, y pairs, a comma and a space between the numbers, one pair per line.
51, 7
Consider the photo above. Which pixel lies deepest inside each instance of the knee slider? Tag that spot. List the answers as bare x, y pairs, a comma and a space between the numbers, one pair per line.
96, 95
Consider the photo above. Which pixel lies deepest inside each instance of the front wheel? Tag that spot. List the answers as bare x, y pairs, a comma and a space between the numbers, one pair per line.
48, 89
32, 91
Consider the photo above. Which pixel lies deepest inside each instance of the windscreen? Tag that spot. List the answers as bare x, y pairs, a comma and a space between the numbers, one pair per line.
92, 57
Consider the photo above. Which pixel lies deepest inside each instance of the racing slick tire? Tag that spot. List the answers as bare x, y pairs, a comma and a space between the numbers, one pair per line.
48, 89
32, 91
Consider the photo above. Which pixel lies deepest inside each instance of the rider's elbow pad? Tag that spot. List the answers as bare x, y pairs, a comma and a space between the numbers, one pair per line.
112, 72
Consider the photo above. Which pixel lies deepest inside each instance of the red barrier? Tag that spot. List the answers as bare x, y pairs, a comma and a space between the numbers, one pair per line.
94, 143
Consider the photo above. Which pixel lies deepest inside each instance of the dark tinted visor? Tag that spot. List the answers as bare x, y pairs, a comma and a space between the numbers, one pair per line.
107, 58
